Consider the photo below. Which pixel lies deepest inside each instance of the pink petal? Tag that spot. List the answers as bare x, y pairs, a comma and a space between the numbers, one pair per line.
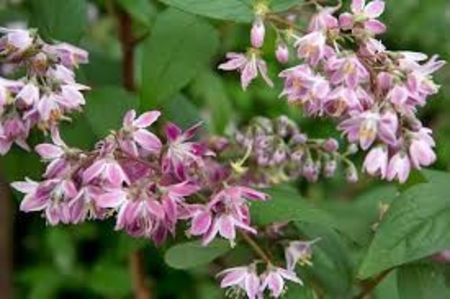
112, 199
155, 208
374, 9
129, 118
233, 277
358, 6
94, 171
375, 26
33, 203
49, 151
172, 132
25, 187
147, 140
226, 227
201, 223
146, 119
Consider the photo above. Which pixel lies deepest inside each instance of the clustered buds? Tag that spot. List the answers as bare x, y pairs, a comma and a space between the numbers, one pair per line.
47, 92
279, 152
346, 74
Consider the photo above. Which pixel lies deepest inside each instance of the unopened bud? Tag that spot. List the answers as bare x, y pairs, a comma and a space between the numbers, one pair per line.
257, 33
330, 145
282, 53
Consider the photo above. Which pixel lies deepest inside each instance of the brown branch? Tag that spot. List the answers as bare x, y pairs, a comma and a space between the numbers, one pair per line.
127, 40
370, 285
6, 242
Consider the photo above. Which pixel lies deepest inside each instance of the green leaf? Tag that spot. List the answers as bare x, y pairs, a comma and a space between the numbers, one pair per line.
62, 248
110, 280
415, 226
180, 45
358, 218
295, 291
141, 10
286, 204
422, 281
180, 110
232, 10
61, 20
209, 87
193, 254
106, 108
332, 264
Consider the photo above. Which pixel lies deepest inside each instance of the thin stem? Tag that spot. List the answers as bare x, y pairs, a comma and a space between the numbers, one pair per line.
256, 248
141, 291
370, 285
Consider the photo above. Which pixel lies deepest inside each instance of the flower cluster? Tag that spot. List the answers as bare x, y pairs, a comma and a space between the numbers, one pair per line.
146, 185
47, 92
278, 151
346, 74
245, 279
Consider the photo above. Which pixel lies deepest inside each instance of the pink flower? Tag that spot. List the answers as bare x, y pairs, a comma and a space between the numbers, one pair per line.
182, 153
69, 55
13, 130
299, 252
342, 100
364, 15
399, 167
421, 149
56, 154
257, 33
347, 69
29, 94
107, 169
136, 134
242, 279
323, 20
274, 278
15, 41
83, 206
302, 85
249, 66
312, 47
226, 212
376, 162
51, 196
282, 53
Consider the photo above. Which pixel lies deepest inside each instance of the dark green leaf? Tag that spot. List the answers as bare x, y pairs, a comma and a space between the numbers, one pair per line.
106, 107
232, 10
193, 254
110, 280
415, 226
141, 10
181, 111
61, 20
180, 45
209, 87
422, 281
286, 204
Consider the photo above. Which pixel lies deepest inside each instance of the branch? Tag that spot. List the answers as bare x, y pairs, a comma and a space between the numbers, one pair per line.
6, 266
370, 285
256, 248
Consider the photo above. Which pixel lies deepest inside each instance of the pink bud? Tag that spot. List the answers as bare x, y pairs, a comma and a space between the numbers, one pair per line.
257, 33
282, 53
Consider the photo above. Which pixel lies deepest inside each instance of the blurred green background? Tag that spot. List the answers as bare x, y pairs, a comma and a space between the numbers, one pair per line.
92, 260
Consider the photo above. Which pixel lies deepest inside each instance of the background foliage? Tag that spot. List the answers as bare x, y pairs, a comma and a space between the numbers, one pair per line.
180, 44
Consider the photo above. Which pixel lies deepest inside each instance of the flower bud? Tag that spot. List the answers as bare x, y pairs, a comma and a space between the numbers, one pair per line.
330, 168
351, 174
330, 145
257, 33
282, 53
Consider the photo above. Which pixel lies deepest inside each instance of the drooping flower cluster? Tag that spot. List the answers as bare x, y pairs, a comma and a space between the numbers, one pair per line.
373, 93
272, 281
146, 185
47, 92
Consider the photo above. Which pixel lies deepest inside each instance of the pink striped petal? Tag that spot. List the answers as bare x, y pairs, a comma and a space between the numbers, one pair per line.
147, 119
374, 9
147, 140
49, 151
112, 199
